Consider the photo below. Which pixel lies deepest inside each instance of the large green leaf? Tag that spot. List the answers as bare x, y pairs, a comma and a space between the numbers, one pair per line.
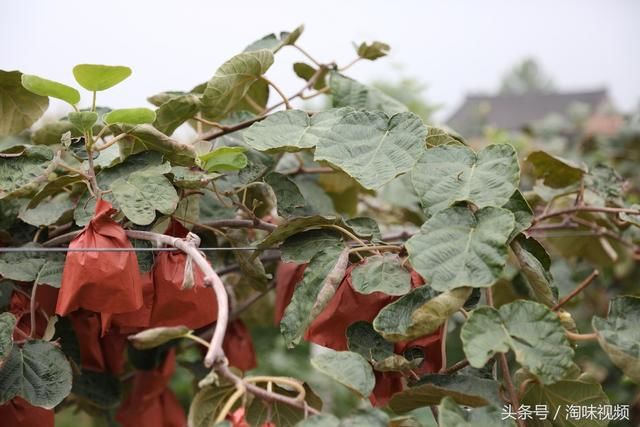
381, 273
296, 225
140, 194
18, 172
207, 404
536, 271
419, 313
467, 390
83, 120
369, 417
554, 171
557, 399
19, 107
451, 173
7, 324
146, 137
97, 78
38, 372
619, 334
457, 248
373, 148
521, 211
44, 87
320, 420
348, 368
364, 340
175, 112
259, 412
303, 246
452, 415
232, 81
289, 199
48, 212
130, 116
298, 314
292, 130
346, 92
40, 267
530, 329
437, 136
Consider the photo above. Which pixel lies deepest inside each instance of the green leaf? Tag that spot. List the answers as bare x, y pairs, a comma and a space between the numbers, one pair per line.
101, 390
207, 404
559, 396
369, 417
232, 81
45, 268
306, 72
419, 313
452, 415
437, 136
130, 116
458, 248
631, 218
521, 211
154, 337
373, 50
321, 420
536, 271
275, 43
140, 194
303, 246
296, 225
467, 390
146, 137
348, 368
49, 212
223, 159
44, 87
364, 340
619, 334
175, 112
38, 372
364, 226
452, 173
260, 412
554, 171
185, 177
290, 201
20, 108
381, 274
530, 329
307, 297
97, 78
83, 120
7, 324
51, 133
372, 147
252, 269
346, 92
292, 130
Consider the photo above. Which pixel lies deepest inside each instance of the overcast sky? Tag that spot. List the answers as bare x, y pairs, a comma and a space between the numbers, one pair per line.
453, 46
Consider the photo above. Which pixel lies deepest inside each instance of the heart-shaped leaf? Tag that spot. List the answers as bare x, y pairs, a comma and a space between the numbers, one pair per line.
346, 92
382, 273
364, 340
140, 194
175, 112
96, 78
348, 368
619, 334
528, 328
458, 248
452, 173
44, 87
83, 120
38, 372
223, 159
20, 107
372, 147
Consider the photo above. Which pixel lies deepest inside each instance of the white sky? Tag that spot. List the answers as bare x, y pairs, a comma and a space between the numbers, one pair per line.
453, 46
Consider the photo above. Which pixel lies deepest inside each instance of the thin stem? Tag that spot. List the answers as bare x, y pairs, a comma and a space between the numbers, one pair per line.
581, 337
456, 367
586, 209
350, 64
392, 248
513, 394
277, 89
197, 339
111, 142
291, 382
303, 170
443, 345
93, 101
305, 53
32, 306
240, 391
209, 123
586, 282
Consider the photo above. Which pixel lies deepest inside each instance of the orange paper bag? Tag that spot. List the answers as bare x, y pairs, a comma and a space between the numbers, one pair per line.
150, 401
172, 305
104, 282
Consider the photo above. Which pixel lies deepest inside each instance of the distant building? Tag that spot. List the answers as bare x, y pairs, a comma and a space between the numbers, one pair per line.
518, 112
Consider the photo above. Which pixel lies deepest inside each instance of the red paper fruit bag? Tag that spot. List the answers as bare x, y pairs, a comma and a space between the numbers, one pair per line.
18, 412
172, 305
104, 282
133, 322
150, 401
